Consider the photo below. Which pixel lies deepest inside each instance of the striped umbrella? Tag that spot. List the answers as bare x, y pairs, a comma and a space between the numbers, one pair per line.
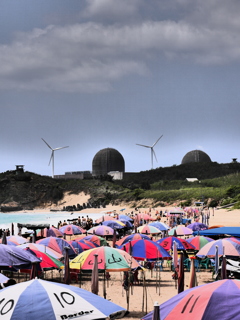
17, 239
57, 244
147, 229
71, 229
180, 231
167, 243
49, 232
199, 241
114, 224
159, 225
101, 231
215, 300
131, 237
94, 239
42, 248
145, 249
229, 247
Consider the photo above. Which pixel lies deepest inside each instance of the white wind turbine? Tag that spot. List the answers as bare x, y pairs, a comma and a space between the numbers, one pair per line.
52, 155
152, 150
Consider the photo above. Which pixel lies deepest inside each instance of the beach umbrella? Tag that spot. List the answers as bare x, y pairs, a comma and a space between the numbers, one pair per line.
3, 278
104, 218
134, 236
124, 217
47, 261
42, 248
40, 299
197, 226
128, 224
109, 259
215, 300
81, 245
167, 243
199, 241
14, 257
114, 224
71, 229
50, 232
101, 231
145, 250
57, 244
147, 229
229, 247
17, 239
159, 225
180, 231
94, 239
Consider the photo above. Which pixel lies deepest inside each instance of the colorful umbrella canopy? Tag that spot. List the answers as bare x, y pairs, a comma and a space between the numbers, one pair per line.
229, 247
17, 239
180, 231
42, 248
71, 229
93, 238
197, 226
167, 243
124, 217
11, 256
159, 225
144, 216
134, 236
47, 262
147, 229
127, 223
101, 231
114, 224
216, 300
109, 259
145, 249
49, 232
199, 241
57, 244
55, 301
81, 245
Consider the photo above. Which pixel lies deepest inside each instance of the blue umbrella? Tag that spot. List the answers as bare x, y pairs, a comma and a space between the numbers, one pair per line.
14, 257
127, 223
160, 225
40, 299
124, 217
114, 224
197, 226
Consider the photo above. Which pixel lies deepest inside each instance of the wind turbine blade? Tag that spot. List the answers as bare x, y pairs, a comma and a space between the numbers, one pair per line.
142, 145
60, 148
51, 158
47, 144
154, 154
157, 141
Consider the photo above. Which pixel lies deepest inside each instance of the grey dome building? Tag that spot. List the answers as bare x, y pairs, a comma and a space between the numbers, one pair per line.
195, 156
107, 160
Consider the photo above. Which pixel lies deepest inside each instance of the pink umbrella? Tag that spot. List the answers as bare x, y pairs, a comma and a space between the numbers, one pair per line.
101, 231
71, 229
180, 231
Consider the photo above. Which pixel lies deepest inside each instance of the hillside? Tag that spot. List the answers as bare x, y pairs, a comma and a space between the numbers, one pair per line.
218, 184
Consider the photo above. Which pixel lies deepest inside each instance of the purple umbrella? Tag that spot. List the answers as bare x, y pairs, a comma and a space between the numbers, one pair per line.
197, 226
101, 231
216, 300
14, 257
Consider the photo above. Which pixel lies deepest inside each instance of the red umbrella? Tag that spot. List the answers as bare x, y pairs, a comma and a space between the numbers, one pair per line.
47, 262
167, 243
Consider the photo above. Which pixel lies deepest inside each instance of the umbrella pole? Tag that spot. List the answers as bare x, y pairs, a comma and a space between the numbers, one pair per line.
104, 285
145, 292
80, 279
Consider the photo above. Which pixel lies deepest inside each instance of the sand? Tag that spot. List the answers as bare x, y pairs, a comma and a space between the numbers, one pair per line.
138, 306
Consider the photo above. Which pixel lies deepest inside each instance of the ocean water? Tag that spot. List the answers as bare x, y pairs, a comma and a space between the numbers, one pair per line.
51, 218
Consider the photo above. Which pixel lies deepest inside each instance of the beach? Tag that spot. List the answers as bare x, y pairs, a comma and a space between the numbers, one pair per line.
140, 301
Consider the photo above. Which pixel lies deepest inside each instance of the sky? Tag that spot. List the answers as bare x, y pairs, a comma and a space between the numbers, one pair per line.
95, 74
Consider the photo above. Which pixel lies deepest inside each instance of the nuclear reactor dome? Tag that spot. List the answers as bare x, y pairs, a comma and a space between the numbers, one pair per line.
107, 160
195, 156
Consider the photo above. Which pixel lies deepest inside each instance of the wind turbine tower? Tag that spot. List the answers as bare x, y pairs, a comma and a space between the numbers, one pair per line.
152, 150
52, 155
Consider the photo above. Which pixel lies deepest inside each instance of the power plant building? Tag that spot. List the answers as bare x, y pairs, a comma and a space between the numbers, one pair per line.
195, 156
107, 160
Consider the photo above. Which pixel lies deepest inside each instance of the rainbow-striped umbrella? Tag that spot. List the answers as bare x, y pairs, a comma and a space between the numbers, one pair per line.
199, 241
101, 231
229, 247
42, 248
58, 244
215, 300
147, 229
180, 231
94, 239
109, 259
81, 245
